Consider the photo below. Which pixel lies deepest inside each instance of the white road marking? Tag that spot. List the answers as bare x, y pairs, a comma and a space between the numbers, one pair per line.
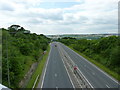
93, 73
55, 75
107, 86
75, 76
68, 74
94, 66
79, 70
45, 68
85, 78
67, 71
56, 88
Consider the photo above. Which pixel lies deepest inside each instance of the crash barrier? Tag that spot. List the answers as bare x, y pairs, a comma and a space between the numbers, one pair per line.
84, 83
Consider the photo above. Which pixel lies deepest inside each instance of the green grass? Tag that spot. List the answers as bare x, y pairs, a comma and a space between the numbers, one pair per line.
29, 62
26, 66
38, 70
107, 70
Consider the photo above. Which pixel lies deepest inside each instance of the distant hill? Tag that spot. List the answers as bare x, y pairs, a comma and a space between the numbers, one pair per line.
81, 36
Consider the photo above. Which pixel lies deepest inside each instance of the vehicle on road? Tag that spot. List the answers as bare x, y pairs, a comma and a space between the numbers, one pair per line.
75, 69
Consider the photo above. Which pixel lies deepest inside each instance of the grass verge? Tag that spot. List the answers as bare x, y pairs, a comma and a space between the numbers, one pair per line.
107, 70
38, 70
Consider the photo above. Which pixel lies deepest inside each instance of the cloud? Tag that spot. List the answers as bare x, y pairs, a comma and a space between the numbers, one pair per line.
34, 21
5, 6
86, 17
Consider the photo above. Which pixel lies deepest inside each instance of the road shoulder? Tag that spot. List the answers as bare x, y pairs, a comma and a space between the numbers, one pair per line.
41, 80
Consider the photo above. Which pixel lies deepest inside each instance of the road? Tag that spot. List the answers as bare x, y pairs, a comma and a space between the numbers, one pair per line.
94, 75
56, 76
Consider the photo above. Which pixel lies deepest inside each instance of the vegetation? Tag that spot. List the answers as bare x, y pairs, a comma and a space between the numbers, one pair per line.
0, 56
103, 52
38, 71
19, 50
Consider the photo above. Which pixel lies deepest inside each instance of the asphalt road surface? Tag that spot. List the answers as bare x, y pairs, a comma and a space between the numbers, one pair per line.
96, 77
56, 76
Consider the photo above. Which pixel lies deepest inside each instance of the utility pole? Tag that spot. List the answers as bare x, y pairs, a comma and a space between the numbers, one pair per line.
7, 62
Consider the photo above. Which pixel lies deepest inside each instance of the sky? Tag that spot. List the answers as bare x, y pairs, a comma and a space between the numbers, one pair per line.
52, 17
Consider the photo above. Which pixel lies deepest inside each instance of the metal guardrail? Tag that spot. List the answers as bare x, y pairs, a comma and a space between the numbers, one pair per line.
35, 82
84, 83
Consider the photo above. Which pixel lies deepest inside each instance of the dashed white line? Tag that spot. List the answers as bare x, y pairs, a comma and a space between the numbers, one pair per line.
56, 88
68, 74
55, 75
80, 71
67, 71
75, 77
94, 66
93, 73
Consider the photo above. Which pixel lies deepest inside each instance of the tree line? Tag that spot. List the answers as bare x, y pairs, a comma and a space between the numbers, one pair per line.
105, 50
19, 51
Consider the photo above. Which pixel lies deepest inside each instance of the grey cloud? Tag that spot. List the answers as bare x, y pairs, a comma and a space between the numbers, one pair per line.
87, 22
105, 21
51, 16
47, 16
6, 7
34, 21
81, 20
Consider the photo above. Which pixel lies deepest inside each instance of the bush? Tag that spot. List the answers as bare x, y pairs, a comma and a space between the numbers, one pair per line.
20, 51
105, 50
